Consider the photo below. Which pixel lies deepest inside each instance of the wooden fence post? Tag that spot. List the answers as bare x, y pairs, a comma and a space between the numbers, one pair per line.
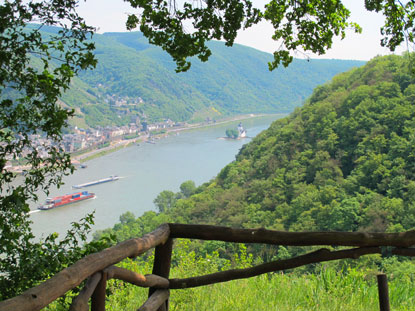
99, 295
383, 292
161, 266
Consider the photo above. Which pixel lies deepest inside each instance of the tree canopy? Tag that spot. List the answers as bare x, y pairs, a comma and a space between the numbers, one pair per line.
305, 25
232, 133
30, 87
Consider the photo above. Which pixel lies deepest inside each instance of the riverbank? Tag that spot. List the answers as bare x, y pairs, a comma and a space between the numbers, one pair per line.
123, 143
81, 158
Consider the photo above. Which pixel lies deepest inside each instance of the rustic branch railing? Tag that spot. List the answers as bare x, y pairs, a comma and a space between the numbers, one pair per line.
99, 267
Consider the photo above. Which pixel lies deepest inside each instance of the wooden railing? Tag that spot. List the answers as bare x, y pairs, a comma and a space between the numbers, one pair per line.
98, 268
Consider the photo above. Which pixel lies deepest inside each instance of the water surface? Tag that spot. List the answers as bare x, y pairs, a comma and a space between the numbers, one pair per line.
146, 170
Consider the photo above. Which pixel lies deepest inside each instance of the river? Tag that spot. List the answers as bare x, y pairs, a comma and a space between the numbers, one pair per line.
146, 170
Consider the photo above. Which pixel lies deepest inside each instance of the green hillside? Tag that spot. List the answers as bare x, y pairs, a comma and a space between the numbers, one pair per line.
134, 78
344, 161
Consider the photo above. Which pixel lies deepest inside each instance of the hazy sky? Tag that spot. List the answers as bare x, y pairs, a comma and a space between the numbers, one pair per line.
110, 16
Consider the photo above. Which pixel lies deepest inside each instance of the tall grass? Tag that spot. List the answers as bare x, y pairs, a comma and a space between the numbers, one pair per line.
329, 289
282, 292
333, 287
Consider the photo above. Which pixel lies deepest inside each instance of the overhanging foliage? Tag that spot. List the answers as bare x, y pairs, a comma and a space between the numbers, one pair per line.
303, 25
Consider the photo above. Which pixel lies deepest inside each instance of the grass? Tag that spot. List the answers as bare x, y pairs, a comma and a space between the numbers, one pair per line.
352, 289
330, 289
282, 292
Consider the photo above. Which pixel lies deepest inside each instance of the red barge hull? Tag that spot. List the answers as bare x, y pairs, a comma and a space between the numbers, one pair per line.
66, 199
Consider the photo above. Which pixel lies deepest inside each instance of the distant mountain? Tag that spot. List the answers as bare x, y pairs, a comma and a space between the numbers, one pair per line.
135, 79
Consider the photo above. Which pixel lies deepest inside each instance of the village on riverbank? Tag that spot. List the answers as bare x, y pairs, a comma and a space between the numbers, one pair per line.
86, 144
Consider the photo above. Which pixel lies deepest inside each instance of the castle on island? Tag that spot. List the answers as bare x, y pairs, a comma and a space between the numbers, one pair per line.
241, 130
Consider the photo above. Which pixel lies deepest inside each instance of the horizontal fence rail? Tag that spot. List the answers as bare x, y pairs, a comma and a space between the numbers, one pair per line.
226, 234
98, 268
321, 255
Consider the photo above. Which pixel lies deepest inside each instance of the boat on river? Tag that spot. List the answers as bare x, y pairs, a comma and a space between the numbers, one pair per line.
66, 199
96, 182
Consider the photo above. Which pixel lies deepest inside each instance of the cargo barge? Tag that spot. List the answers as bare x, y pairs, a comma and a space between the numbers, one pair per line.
66, 199
96, 182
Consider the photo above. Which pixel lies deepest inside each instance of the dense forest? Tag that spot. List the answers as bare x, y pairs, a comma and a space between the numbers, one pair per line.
134, 78
344, 161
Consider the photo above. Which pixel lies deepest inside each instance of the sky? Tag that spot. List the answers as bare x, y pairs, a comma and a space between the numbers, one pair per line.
110, 16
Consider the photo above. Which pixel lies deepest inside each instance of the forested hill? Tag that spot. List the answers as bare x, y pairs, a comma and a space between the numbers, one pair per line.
344, 161
133, 77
